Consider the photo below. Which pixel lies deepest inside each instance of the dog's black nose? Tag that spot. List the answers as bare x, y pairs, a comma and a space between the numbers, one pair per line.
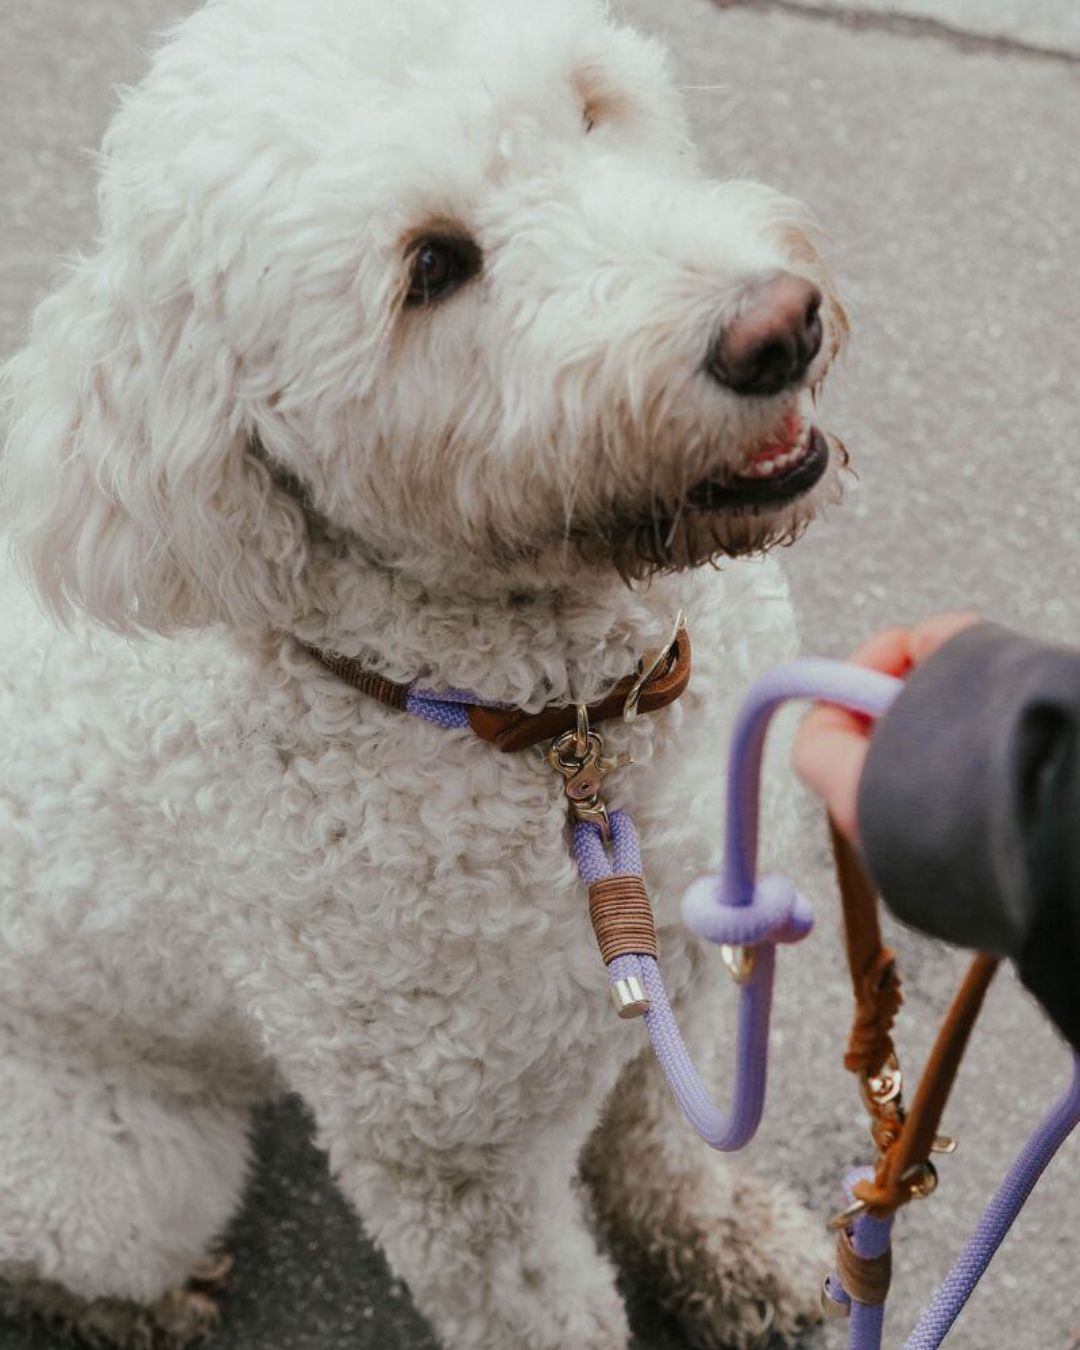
773, 338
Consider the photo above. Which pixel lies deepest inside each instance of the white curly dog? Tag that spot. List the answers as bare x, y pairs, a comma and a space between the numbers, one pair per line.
414, 333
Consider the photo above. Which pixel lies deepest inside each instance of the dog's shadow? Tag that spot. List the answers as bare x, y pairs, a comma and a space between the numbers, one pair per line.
306, 1278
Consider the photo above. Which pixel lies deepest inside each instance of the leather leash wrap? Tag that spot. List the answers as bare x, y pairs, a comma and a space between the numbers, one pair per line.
510, 729
866, 1278
622, 917
905, 1149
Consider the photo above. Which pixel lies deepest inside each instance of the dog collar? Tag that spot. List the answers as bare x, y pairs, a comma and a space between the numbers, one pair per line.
660, 678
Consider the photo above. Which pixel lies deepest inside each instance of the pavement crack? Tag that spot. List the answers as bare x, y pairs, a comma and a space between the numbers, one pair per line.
911, 26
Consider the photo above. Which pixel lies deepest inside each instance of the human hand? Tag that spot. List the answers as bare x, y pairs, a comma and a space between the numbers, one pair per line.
830, 749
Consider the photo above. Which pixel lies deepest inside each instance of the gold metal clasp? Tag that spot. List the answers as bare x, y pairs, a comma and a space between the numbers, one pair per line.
884, 1087
651, 664
883, 1097
921, 1180
578, 756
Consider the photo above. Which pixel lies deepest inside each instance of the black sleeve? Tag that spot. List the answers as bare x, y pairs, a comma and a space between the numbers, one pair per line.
969, 807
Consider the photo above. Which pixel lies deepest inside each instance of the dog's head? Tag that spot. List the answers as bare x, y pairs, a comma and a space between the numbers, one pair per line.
436, 283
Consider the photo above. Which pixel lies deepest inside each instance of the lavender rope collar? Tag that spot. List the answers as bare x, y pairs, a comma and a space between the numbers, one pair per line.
752, 915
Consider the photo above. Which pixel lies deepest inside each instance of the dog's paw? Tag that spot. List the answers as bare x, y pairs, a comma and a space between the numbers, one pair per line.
180, 1318
599, 1324
741, 1268
527, 1306
212, 1273
753, 1276
566, 1305
184, 1316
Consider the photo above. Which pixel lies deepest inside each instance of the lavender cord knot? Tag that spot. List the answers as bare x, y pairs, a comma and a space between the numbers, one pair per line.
776, 912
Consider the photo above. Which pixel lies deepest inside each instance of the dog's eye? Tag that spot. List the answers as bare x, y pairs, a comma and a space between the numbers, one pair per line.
440, 264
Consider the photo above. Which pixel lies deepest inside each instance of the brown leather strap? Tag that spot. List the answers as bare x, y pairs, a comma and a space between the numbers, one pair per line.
510, 729
891, 1186
866, 1278
906, 1141
874, 980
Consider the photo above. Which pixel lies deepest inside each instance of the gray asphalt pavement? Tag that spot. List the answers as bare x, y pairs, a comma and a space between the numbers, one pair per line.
948, 177
1046, 25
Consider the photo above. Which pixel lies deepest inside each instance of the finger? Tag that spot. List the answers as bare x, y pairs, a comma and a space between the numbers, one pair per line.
826, 720
832, 769
824, 732
932, 633
888, 651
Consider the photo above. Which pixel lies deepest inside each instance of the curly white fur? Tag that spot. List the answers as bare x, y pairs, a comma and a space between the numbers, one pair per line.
221, 869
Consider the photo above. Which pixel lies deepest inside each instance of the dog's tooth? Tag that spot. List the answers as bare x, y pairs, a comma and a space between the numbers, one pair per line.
777, 457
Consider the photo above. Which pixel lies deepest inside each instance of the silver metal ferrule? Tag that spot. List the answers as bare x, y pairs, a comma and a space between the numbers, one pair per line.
629, 997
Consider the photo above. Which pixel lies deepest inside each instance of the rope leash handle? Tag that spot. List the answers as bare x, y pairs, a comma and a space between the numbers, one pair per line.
737, 909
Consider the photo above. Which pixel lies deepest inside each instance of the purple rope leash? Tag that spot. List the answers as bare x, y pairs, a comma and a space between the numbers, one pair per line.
870, 1237
719, 1129
737, 908
997, 1219
445, 709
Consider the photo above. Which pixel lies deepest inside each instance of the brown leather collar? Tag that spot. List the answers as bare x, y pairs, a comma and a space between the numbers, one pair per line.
511, 729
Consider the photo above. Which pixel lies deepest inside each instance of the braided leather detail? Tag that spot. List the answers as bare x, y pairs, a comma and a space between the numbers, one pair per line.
622, 917
878, 998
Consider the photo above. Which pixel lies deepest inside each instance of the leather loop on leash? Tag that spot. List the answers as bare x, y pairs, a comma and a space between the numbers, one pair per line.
902, 1170
875, 983
866, 1278
905, 1137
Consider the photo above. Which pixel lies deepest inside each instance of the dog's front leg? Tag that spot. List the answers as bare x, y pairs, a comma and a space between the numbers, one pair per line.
491, 1241
736, 1258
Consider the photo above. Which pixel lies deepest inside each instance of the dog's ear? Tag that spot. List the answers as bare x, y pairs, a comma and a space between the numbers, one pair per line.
126, 485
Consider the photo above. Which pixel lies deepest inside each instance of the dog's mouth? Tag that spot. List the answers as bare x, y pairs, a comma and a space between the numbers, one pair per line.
745, 508
785, 467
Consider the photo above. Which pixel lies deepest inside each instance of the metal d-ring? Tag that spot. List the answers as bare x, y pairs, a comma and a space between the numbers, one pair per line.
581, 730
652, 662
